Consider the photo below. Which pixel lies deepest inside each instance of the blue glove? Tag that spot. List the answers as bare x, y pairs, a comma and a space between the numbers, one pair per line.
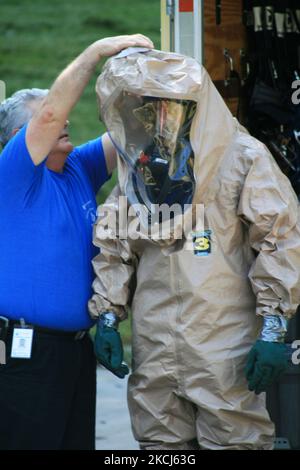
108, 345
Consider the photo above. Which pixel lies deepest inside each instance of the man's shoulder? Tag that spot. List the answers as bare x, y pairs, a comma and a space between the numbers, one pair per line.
74, 161
84, 152
16, 144
88, 146
16, 155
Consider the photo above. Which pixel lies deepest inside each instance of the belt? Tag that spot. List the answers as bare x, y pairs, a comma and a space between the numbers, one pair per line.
76, 335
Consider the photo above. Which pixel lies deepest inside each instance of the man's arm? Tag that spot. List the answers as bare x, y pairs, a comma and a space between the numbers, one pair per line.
48, 122
110, 153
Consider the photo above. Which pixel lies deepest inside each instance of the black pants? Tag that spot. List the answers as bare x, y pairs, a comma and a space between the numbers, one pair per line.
48, 402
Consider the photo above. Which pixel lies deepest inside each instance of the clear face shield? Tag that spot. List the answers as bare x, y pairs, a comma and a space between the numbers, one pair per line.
156, 148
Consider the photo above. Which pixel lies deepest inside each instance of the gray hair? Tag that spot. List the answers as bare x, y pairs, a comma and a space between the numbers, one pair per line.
15, 112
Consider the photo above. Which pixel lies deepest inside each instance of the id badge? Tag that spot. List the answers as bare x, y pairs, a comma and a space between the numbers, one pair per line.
22, 343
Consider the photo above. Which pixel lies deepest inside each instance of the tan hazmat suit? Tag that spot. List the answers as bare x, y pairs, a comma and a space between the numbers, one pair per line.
195, 318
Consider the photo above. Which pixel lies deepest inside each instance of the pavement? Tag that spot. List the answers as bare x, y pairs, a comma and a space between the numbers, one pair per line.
113, 429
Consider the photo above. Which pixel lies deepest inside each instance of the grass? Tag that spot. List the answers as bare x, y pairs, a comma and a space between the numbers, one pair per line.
40, 37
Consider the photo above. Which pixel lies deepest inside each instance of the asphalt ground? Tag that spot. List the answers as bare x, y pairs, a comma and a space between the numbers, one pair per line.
113, 429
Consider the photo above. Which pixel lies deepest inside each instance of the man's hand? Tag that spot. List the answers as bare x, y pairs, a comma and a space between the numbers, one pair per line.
110, 46
266, 362
108, 347
49, 120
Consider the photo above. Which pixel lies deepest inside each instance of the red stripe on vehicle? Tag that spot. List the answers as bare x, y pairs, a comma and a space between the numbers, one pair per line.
186, 5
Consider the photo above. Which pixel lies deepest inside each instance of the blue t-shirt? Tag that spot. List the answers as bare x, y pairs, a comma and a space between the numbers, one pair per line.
46, 235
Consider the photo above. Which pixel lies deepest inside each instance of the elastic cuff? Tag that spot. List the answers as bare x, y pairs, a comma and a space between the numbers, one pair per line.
109, 319
274, 328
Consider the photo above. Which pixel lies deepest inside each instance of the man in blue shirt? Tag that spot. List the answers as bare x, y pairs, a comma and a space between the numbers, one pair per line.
47, 209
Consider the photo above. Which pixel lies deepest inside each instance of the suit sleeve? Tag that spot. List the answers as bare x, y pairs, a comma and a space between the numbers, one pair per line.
114, 266
270, 207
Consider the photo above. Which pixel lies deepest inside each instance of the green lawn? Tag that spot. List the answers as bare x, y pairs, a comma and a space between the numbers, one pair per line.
40, 37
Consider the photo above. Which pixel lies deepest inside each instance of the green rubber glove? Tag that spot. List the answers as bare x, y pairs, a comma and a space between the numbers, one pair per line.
109, 350
266, 362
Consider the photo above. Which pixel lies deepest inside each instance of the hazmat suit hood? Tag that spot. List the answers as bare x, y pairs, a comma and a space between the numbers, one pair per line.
158, 74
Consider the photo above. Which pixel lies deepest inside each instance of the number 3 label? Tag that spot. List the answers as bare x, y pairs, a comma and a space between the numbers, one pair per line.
202, 243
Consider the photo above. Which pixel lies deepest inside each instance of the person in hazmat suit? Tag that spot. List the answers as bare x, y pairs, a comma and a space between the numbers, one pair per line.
210, 307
